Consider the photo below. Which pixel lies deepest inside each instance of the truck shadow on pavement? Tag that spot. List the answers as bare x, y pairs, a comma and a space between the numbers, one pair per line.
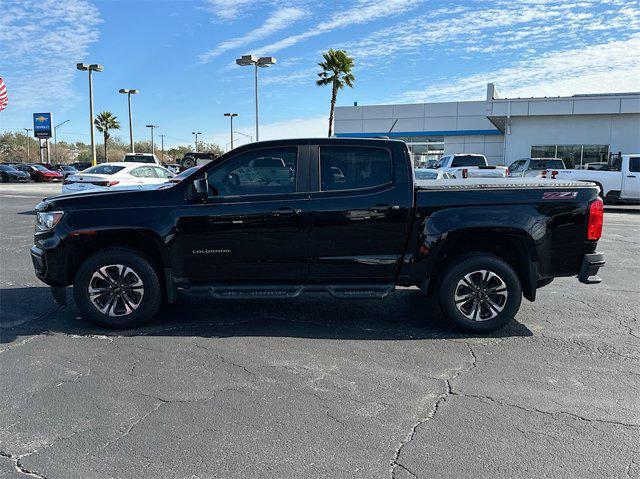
406, 315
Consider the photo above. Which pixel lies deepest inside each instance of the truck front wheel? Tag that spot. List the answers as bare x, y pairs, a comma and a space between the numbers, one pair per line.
117, 288
480, 293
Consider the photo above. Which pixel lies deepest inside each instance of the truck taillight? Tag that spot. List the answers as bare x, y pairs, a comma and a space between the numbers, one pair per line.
554, 174
465, 173
543, 174
596, 216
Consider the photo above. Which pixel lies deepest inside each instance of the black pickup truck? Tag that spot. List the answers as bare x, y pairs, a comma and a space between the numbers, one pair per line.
344, 216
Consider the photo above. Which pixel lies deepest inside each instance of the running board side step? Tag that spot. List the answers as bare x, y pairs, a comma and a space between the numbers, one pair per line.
255, 292
361, 291
351, 291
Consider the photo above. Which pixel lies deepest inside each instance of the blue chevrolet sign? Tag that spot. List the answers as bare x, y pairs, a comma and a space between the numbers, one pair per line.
42, 125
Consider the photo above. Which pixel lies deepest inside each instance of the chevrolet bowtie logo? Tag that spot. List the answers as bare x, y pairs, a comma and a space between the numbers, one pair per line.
40, 119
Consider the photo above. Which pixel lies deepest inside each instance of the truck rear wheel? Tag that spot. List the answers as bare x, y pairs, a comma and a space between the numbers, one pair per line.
480, 293
117, 288
188, 162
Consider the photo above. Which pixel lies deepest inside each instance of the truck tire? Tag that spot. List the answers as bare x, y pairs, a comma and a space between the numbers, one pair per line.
188, 162
480, 293
117, 288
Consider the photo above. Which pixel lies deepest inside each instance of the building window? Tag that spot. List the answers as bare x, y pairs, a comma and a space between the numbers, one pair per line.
574, 156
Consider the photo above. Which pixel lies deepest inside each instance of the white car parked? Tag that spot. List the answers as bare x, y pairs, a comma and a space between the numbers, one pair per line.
121, 176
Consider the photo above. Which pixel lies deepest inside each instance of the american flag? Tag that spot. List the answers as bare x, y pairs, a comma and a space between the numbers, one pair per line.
4, 99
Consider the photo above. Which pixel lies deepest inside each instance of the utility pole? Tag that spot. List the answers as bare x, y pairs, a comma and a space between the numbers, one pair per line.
27, 130
162, 150
196, 133
153, 150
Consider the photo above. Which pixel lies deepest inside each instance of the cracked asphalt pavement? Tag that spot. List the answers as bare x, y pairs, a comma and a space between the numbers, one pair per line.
319, 387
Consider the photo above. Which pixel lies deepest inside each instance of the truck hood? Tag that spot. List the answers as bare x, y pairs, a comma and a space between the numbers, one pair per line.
115, 197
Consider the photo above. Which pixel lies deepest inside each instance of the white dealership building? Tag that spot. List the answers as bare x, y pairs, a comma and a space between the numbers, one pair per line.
580, 128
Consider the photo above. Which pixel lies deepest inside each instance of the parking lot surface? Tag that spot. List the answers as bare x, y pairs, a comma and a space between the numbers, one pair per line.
319, 387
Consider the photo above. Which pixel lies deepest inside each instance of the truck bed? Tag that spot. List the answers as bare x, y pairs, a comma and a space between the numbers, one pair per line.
497, 183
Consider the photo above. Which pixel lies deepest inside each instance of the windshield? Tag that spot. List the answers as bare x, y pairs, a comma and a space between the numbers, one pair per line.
139, 159
104, 169
7, 168
468, 160
426, 175
40, 167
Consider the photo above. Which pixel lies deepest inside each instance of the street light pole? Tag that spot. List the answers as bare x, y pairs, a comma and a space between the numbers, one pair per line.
94, 67
231, 115
130, 92
153, 150
262, 62
196, 133
55, 140
244, 134
27, 130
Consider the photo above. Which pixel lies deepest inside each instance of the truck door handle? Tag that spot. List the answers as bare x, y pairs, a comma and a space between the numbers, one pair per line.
383, 208
286, 211
631, 176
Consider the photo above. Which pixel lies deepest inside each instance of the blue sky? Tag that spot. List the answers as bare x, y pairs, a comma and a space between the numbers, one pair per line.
180, 55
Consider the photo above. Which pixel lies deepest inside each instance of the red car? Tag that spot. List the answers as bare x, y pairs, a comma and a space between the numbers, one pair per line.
40, 173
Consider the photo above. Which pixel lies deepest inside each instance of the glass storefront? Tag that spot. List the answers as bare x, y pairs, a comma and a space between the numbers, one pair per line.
424, 150
574, 156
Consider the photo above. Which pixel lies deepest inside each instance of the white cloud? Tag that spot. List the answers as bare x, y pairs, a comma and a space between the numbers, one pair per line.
498, 26
228, 9
280, 19
605, 67
40, 43
364, 11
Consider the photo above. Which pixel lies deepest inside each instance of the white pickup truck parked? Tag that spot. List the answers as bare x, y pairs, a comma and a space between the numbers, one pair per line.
466, 165
619, 181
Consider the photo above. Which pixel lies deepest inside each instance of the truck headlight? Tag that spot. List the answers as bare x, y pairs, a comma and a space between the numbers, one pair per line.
48, 220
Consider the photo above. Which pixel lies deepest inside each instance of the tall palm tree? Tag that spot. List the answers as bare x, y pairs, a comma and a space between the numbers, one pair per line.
104, 122
336, 71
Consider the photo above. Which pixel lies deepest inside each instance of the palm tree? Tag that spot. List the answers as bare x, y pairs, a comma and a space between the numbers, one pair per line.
336, 71
104, 122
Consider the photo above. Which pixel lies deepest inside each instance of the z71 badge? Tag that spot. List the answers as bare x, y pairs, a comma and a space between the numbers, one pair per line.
559, 195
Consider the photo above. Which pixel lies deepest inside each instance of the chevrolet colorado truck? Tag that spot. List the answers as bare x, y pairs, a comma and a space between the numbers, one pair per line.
349, 220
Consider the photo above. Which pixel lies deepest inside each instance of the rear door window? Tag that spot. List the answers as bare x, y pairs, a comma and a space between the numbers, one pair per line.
634, 164
353, 167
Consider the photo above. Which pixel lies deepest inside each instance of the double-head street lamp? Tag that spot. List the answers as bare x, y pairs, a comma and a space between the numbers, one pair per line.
55, 139
94, 67
196, 133
262, 62
153, 150
231, 116
130, 92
